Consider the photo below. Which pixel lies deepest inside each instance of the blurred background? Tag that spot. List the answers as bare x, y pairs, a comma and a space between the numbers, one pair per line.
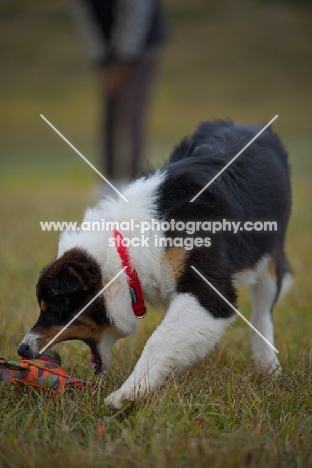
243, 59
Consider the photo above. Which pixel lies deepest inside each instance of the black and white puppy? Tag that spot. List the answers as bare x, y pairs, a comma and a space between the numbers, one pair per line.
252, 191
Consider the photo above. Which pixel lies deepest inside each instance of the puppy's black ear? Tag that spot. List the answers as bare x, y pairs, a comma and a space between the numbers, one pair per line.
68, 280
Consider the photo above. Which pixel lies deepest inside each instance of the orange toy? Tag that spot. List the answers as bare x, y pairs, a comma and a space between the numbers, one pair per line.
45, 373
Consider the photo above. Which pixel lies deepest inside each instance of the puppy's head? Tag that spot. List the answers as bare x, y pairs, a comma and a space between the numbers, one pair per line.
64, 288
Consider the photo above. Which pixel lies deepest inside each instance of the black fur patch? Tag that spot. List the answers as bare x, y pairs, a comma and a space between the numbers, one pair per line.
255, 187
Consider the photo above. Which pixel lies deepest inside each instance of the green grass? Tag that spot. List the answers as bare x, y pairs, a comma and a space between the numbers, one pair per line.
240, 59
220, 412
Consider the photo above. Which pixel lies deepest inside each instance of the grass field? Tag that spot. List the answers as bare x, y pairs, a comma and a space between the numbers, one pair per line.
245, 60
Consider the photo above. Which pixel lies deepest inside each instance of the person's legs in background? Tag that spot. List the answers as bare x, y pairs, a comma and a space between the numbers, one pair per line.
123, 122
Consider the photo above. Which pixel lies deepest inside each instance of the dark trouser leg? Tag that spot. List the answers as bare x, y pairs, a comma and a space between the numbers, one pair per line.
124, 121
139, 98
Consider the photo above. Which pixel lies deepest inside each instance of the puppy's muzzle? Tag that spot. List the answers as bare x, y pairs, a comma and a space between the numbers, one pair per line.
25, 351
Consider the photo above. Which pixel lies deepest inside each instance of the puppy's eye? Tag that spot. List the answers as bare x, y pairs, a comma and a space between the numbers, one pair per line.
63, 302
60, 306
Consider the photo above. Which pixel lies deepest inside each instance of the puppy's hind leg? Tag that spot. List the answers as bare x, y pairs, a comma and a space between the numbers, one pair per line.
264, 294
187, 333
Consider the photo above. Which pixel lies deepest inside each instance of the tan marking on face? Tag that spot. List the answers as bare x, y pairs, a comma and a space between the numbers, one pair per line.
88, 330
176, 256
43, 306
271, 266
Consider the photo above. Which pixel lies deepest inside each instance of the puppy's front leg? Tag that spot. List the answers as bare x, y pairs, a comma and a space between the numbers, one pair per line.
187, 333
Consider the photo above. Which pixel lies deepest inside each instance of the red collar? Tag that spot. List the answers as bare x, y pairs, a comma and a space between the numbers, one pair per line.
134, 285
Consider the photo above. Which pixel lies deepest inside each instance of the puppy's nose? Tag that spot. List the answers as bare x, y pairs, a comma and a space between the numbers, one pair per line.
24, 351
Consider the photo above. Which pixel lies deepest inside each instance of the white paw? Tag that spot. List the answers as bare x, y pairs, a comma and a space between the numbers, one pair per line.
269, 366
123, 395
